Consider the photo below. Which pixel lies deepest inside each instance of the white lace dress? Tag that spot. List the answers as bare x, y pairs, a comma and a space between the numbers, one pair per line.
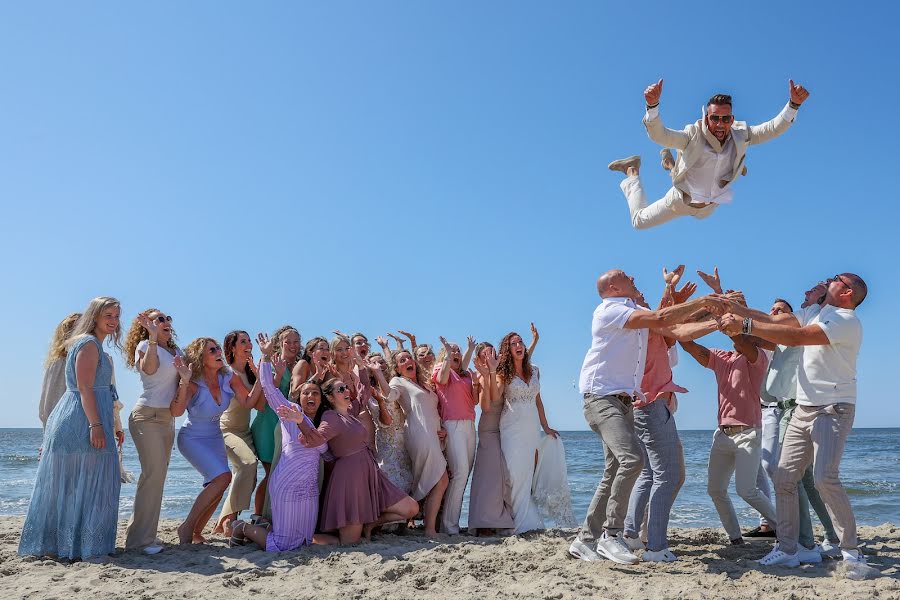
519, 438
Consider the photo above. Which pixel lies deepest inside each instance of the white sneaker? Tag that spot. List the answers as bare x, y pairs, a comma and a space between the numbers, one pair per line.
152, 549
582, 551
830, 550
664, 555
615, 550
853, 556
632, 543
777, 558
809, 556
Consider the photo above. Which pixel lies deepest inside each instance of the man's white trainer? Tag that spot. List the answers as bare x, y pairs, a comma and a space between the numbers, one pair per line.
615, 550
809, 556
582, 551
777, 558
664, 555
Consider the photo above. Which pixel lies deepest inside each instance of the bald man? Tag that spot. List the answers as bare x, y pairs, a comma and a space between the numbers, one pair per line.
610, 382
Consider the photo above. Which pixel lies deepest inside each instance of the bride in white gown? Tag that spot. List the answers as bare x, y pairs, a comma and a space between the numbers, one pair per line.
521, 422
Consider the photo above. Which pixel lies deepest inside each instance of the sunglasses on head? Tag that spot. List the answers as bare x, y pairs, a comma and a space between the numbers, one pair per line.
721, 118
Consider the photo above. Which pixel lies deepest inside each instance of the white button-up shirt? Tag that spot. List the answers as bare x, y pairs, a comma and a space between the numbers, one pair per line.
703, 177
615, 362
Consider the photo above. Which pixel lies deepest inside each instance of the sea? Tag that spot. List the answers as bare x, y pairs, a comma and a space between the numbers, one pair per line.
870, 472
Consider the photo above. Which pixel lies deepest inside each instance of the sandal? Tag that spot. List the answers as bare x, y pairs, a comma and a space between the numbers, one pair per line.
237, 534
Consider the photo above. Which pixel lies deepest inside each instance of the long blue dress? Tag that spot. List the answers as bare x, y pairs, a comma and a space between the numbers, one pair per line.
75, 504
200, 438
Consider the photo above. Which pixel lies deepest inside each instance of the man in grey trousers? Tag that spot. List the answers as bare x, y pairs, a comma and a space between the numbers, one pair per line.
610, 382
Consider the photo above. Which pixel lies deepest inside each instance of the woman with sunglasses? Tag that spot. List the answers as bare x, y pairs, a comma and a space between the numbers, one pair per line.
150, 349
424, 434
358, 496
205, 391
295, 480
235, 424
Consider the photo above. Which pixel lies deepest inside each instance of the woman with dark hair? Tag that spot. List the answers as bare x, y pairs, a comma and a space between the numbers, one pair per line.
294, 490
75, 503
424, 434
519, 386
205, 391
358, 496
490, 503
235, 424
265, 428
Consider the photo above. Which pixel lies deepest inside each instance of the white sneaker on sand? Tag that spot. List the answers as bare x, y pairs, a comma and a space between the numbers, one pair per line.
615, 550
809, 556
632, 543
582, 551
853, 556
830, 550
664, 555
777, 558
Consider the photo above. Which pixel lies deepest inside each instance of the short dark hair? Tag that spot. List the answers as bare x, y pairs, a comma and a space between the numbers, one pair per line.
791, 308
720, 99
859, 287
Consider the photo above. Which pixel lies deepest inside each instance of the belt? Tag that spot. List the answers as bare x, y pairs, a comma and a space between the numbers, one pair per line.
733, 429
782, 404
625, 398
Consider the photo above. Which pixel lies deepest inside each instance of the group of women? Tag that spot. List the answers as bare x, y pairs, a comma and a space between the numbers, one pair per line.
349, 440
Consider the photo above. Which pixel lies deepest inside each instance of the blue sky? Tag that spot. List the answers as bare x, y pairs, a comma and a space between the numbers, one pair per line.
437, 167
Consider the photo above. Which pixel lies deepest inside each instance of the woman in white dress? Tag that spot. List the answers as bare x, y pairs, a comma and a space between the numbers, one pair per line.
522, 419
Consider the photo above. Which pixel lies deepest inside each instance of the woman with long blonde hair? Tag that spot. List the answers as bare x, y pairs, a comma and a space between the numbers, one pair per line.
151, 350
205, 391
54, 385
79, 465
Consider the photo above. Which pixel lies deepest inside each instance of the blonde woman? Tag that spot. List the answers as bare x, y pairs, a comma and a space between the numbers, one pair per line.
150, 349
79, 464
205, 391
54, 385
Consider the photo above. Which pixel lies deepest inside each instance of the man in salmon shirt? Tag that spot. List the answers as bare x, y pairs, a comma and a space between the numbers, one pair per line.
737, 442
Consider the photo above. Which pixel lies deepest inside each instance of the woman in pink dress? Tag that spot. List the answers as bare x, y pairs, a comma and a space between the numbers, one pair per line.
358, 496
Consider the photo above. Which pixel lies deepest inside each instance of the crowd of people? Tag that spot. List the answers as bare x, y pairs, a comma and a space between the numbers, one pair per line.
350, 440
786, 417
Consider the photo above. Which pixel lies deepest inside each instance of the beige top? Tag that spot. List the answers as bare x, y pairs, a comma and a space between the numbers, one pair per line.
236, 418
52, 389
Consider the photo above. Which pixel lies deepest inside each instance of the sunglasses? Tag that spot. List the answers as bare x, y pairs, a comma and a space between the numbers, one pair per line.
163, 319
341, 389
839, 278
721, 118
215, 350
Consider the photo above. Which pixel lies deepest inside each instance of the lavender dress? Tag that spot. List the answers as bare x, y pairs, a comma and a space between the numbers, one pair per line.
294, 484
200, 437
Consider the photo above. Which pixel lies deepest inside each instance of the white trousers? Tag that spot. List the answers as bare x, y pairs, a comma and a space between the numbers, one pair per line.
670, 206
460, 452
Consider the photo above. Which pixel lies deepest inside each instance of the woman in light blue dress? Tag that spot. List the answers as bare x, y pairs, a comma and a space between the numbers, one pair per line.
75, 504
205, 392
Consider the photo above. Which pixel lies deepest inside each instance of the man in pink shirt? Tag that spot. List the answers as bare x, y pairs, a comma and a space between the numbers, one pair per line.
737, 441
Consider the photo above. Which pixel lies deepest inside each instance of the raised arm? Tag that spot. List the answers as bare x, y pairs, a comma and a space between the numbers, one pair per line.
659, 133
700, 353
783, 120
186, 388
672, 315
535, 336
148, 362
470, 348
784, 334
443, 374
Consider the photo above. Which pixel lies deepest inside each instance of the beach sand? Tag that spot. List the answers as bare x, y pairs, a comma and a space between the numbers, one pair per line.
459, 568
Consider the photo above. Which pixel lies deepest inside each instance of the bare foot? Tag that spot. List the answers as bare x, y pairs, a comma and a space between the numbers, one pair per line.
184, 536
198, 539
367, 531
223, 525
431, 534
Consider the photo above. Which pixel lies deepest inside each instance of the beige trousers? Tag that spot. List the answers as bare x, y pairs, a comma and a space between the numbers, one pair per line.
153, 433
242, 456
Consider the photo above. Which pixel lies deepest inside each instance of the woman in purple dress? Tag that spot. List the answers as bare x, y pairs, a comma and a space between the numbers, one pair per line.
358, 496
294, 487
205, 391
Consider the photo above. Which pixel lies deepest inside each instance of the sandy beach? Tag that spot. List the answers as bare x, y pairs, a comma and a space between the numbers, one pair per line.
458, 567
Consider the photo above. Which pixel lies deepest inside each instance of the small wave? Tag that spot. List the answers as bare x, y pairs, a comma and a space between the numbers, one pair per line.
18, 460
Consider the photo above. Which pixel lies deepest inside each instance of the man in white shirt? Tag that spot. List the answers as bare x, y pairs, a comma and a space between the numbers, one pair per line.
826, 403
711, 156
610, 381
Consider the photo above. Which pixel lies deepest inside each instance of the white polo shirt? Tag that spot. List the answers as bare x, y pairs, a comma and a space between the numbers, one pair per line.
615, 362
827, 374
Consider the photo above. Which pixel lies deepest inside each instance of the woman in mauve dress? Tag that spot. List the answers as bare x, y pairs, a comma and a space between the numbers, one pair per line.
490, 504
294, 487
358, 496
424, 434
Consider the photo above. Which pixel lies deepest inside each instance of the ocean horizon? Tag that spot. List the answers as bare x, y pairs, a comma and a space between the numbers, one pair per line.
870, 472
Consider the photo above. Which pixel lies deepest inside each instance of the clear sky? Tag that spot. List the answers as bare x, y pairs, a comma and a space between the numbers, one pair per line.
437, 167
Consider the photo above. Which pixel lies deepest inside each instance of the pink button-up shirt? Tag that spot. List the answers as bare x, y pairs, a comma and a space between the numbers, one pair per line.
657, 379
456, 401
739, 381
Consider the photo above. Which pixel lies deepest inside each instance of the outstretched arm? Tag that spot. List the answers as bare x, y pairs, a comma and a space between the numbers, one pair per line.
658, 132
786, 335
782, 122
700, 353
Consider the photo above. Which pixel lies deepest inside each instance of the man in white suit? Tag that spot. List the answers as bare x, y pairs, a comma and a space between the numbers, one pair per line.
711, 155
